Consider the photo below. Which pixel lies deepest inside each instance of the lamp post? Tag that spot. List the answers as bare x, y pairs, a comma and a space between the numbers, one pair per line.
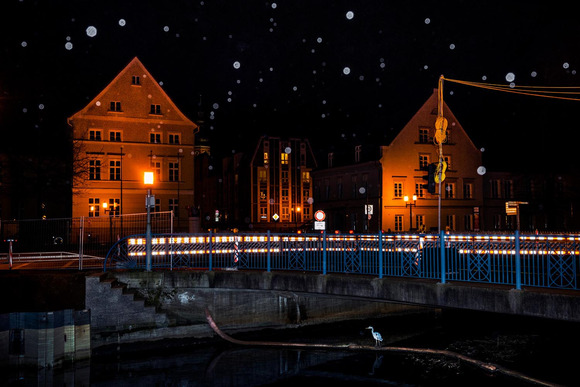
109, 211
410, 205
149, 202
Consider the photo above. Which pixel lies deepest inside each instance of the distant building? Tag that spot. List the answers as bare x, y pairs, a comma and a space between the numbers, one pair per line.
130, 127
281, 194
349, 189
405, 163
543, 202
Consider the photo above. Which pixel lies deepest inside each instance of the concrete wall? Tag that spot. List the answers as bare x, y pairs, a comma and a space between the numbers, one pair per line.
148, 306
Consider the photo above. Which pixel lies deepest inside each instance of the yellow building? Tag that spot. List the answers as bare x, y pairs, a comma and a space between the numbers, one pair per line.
405, 162
132, 126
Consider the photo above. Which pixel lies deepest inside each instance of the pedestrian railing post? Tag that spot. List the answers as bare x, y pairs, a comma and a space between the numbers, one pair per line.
442, 254
268, 254
81, 234
380, 254
324, 252
518, 261
210, 266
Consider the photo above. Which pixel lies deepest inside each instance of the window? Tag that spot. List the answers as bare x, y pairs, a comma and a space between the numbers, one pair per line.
398, 222
155, 138
419, 190
330, 159
449, 190
114, 135
306, 177
94, 207
424, 135
263, 212
353, 185
285, 194
508, 189
265, 158
174, 138
398, 190
94, 169
157, 205
262, 175
174, 171
115, 170
495, 189
451, 222
115, 106
284, 158
174, 206
95, 134
468, 220
155, 109
136, 80
156, 166
420, 221
339, 187
284, 175
448, 161
114, 206
306, 211
467, 191
423, 161
357, 150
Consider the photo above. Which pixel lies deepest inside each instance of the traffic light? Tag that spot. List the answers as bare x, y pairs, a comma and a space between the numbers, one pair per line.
430, 177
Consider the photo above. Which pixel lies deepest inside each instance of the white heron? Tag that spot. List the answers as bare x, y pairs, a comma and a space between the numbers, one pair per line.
377, 336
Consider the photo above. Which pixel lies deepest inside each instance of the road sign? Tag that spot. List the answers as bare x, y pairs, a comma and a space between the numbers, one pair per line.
319, 225
319, 215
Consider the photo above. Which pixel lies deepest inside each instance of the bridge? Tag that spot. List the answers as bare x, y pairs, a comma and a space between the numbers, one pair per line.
535, 275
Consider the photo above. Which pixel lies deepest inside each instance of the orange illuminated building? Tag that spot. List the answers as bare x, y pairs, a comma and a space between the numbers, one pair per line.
130, 127
405, 163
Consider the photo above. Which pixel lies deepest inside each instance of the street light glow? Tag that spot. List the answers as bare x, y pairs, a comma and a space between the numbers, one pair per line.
148, 178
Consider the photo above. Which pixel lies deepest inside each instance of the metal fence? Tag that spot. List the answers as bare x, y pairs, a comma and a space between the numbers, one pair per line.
517, 260
84, 238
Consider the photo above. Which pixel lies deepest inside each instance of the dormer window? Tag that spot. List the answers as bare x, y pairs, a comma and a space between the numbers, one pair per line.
136, 80
155, 109
115, 106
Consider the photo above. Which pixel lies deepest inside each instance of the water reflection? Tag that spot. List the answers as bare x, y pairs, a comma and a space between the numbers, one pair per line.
44, 350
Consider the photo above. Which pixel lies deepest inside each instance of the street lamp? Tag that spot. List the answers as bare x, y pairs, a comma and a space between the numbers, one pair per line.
149, 203
410, 205
110, 211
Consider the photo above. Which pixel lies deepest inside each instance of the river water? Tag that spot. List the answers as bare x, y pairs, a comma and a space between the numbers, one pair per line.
539, 349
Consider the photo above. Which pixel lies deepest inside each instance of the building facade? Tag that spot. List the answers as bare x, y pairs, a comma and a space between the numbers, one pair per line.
457, 202
130, 127
281, 184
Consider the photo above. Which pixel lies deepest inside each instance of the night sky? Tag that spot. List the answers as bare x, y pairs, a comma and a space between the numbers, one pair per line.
329, 70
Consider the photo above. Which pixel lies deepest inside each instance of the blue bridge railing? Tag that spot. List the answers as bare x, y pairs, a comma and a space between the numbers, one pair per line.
549, 261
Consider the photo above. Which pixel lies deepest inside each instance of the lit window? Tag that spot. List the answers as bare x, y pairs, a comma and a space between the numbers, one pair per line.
284, 158
94, 205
